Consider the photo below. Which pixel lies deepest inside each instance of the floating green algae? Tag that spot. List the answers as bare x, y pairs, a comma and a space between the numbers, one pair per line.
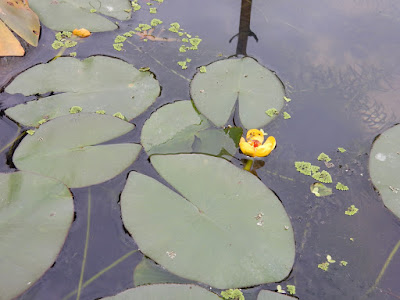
272, 112
291, 289
235, 294
324, 157
286, 115
340, 149
303, 167
352, 210
322, 176
155, 22
341, 187
75, 109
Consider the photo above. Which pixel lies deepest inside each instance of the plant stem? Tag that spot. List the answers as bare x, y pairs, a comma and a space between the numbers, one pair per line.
97, 275
86, 245
382, 272
248, 165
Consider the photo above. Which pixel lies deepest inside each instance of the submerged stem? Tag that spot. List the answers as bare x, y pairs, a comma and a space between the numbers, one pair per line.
19, 135
86, 245
382, 272
97, 275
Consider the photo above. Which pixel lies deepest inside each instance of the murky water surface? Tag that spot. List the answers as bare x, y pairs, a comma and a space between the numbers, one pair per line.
339, 63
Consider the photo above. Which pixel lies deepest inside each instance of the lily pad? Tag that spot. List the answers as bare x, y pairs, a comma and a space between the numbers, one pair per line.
70, 14
67, 148
384, 165
257, 88
148, 272
268, 295
189, 132
21, 19
9, 45
165, 292
225, 228
35, 215
96, 83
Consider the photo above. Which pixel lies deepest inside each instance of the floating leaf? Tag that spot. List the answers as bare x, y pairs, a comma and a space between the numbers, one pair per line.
228, 209
268, 295
384, 165
9, 45
188, 133
21, 19
160, 135
96, 83
216, 91
320, 190
71, 14
66, 148
340, 149
165, 292
35, 215
215, 142
148, 272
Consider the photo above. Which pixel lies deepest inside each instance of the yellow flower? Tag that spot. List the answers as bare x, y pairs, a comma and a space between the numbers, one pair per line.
253, 144
81, 32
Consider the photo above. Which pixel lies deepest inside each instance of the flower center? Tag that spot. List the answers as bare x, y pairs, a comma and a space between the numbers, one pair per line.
255, 143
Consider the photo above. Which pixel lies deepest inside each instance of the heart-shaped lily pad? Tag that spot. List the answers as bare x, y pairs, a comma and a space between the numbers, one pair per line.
67, 148
190, 132
226, 230
384, 165
216, 91
71, 14
166, 292
35, 215
96, 83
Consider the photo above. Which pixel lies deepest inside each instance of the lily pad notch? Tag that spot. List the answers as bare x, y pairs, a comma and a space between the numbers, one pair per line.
244, 80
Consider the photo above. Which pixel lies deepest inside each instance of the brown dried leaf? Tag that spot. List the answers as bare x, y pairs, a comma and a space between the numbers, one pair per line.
9, 45
21, 19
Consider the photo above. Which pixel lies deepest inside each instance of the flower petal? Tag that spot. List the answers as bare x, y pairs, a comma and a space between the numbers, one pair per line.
246, 147
266, 148
255, 134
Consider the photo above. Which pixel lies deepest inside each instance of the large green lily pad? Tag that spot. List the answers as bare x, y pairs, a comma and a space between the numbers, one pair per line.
225, 228
35, 215
188, 131
71, 14
96, 83
384, 166
166, 292
216, 91
67, 148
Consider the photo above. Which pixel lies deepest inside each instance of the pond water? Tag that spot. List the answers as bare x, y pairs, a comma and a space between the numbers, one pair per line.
338, 62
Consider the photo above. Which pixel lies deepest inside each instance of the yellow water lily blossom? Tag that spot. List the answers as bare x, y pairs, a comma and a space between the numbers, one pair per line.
81, 32
253, 144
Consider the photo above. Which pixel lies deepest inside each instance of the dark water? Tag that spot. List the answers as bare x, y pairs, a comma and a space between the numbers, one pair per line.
338, 61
